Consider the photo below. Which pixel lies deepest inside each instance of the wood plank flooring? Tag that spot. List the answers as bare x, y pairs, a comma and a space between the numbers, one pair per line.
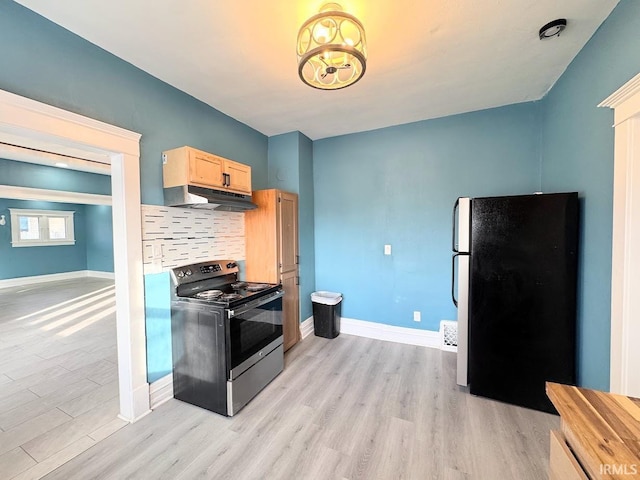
348, 408
58, 373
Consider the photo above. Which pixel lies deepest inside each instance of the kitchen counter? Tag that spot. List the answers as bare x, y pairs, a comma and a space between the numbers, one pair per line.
600, 437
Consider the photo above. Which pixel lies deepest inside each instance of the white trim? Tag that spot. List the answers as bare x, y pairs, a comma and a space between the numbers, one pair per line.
36, 122
161, 391
54, 277
27, 123
28, 155
389, 333
306, 327
99, 274
625, 276
44, 233
625, 100
27, 193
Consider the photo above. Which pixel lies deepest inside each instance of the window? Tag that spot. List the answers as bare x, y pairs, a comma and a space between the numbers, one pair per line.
30, 228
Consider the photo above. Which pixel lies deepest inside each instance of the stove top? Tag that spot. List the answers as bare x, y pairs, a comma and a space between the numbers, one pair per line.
216, 283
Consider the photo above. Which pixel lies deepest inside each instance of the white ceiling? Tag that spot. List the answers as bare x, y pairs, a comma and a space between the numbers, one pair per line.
426, 58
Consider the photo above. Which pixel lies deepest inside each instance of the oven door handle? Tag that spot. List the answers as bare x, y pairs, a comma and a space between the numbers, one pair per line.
254, 304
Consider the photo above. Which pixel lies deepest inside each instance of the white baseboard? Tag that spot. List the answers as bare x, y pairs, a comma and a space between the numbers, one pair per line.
53, 277
98, 274
306, 327
136, 406
389, 333
160, 391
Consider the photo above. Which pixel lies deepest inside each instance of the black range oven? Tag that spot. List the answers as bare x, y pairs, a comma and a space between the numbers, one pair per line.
226, 336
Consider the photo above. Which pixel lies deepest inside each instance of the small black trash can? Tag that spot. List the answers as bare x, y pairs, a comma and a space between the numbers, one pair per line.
326, 314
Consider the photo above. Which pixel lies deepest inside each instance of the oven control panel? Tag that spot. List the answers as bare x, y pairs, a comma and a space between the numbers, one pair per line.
211, 268
203, 271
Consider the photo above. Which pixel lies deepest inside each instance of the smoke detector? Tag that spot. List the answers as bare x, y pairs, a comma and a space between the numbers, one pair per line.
553, 29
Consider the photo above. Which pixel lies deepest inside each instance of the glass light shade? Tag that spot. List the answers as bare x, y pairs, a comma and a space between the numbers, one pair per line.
332, 51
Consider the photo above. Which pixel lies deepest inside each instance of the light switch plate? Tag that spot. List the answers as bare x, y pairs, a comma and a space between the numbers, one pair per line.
387, 249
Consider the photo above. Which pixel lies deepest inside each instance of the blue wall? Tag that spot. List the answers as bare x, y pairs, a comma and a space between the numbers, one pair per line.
158, 325
577, 154
30, 261
99, 231
98, 225
52, 178
291, 169
306, 226
284, 172
397, 186
394, 185
41, 60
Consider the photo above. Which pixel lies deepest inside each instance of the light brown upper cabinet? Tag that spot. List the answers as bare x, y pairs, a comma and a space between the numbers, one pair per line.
188, 166
271, 236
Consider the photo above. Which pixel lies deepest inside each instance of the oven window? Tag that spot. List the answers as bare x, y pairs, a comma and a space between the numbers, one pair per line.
251, 331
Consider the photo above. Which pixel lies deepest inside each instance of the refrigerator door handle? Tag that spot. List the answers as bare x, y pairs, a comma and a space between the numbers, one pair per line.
454, 247
453, 276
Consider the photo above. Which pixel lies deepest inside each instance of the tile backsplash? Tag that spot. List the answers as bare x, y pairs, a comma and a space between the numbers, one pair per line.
178, 236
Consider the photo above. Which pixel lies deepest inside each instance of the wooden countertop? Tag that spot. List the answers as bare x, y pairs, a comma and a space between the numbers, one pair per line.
603, 430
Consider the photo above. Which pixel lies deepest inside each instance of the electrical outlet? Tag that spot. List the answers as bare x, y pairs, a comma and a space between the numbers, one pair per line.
387, 249
416, 316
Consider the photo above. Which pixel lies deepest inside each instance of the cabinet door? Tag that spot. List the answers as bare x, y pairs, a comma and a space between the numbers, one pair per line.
562, 463
290, 309
288, 231
205, 169
239, 176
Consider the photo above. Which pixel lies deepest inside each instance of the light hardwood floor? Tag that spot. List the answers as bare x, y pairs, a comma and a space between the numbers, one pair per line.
348, 408
58, 373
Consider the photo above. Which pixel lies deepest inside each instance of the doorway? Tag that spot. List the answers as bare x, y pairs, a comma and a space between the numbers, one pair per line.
625, 277
36, 126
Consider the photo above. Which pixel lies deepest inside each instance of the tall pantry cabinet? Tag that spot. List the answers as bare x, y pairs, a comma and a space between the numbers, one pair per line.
271, 236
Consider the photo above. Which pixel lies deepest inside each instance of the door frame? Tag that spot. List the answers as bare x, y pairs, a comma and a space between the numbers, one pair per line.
625, 274
27, 123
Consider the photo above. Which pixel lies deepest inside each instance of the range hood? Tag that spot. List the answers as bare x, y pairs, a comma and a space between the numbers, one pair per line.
188, 196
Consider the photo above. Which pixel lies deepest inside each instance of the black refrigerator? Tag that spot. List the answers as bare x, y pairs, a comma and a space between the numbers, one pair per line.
518, 295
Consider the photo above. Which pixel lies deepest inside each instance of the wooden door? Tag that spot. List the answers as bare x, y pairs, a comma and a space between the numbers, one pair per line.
288, 231
239, 179
290, 309
205, 169
261, 238
288, 259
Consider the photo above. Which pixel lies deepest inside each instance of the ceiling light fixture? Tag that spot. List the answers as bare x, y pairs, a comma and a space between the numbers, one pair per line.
332, 50
61, 165
553, 29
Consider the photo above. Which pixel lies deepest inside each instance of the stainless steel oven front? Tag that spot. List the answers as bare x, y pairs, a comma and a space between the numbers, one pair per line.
254, 348
223, 355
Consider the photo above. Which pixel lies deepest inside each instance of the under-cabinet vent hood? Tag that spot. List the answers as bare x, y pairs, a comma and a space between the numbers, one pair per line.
188, 196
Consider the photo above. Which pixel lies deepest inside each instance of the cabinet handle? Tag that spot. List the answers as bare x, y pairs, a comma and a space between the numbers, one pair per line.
297, 280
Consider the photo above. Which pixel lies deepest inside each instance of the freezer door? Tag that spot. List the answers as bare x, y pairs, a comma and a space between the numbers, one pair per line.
522, 304
461, 225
